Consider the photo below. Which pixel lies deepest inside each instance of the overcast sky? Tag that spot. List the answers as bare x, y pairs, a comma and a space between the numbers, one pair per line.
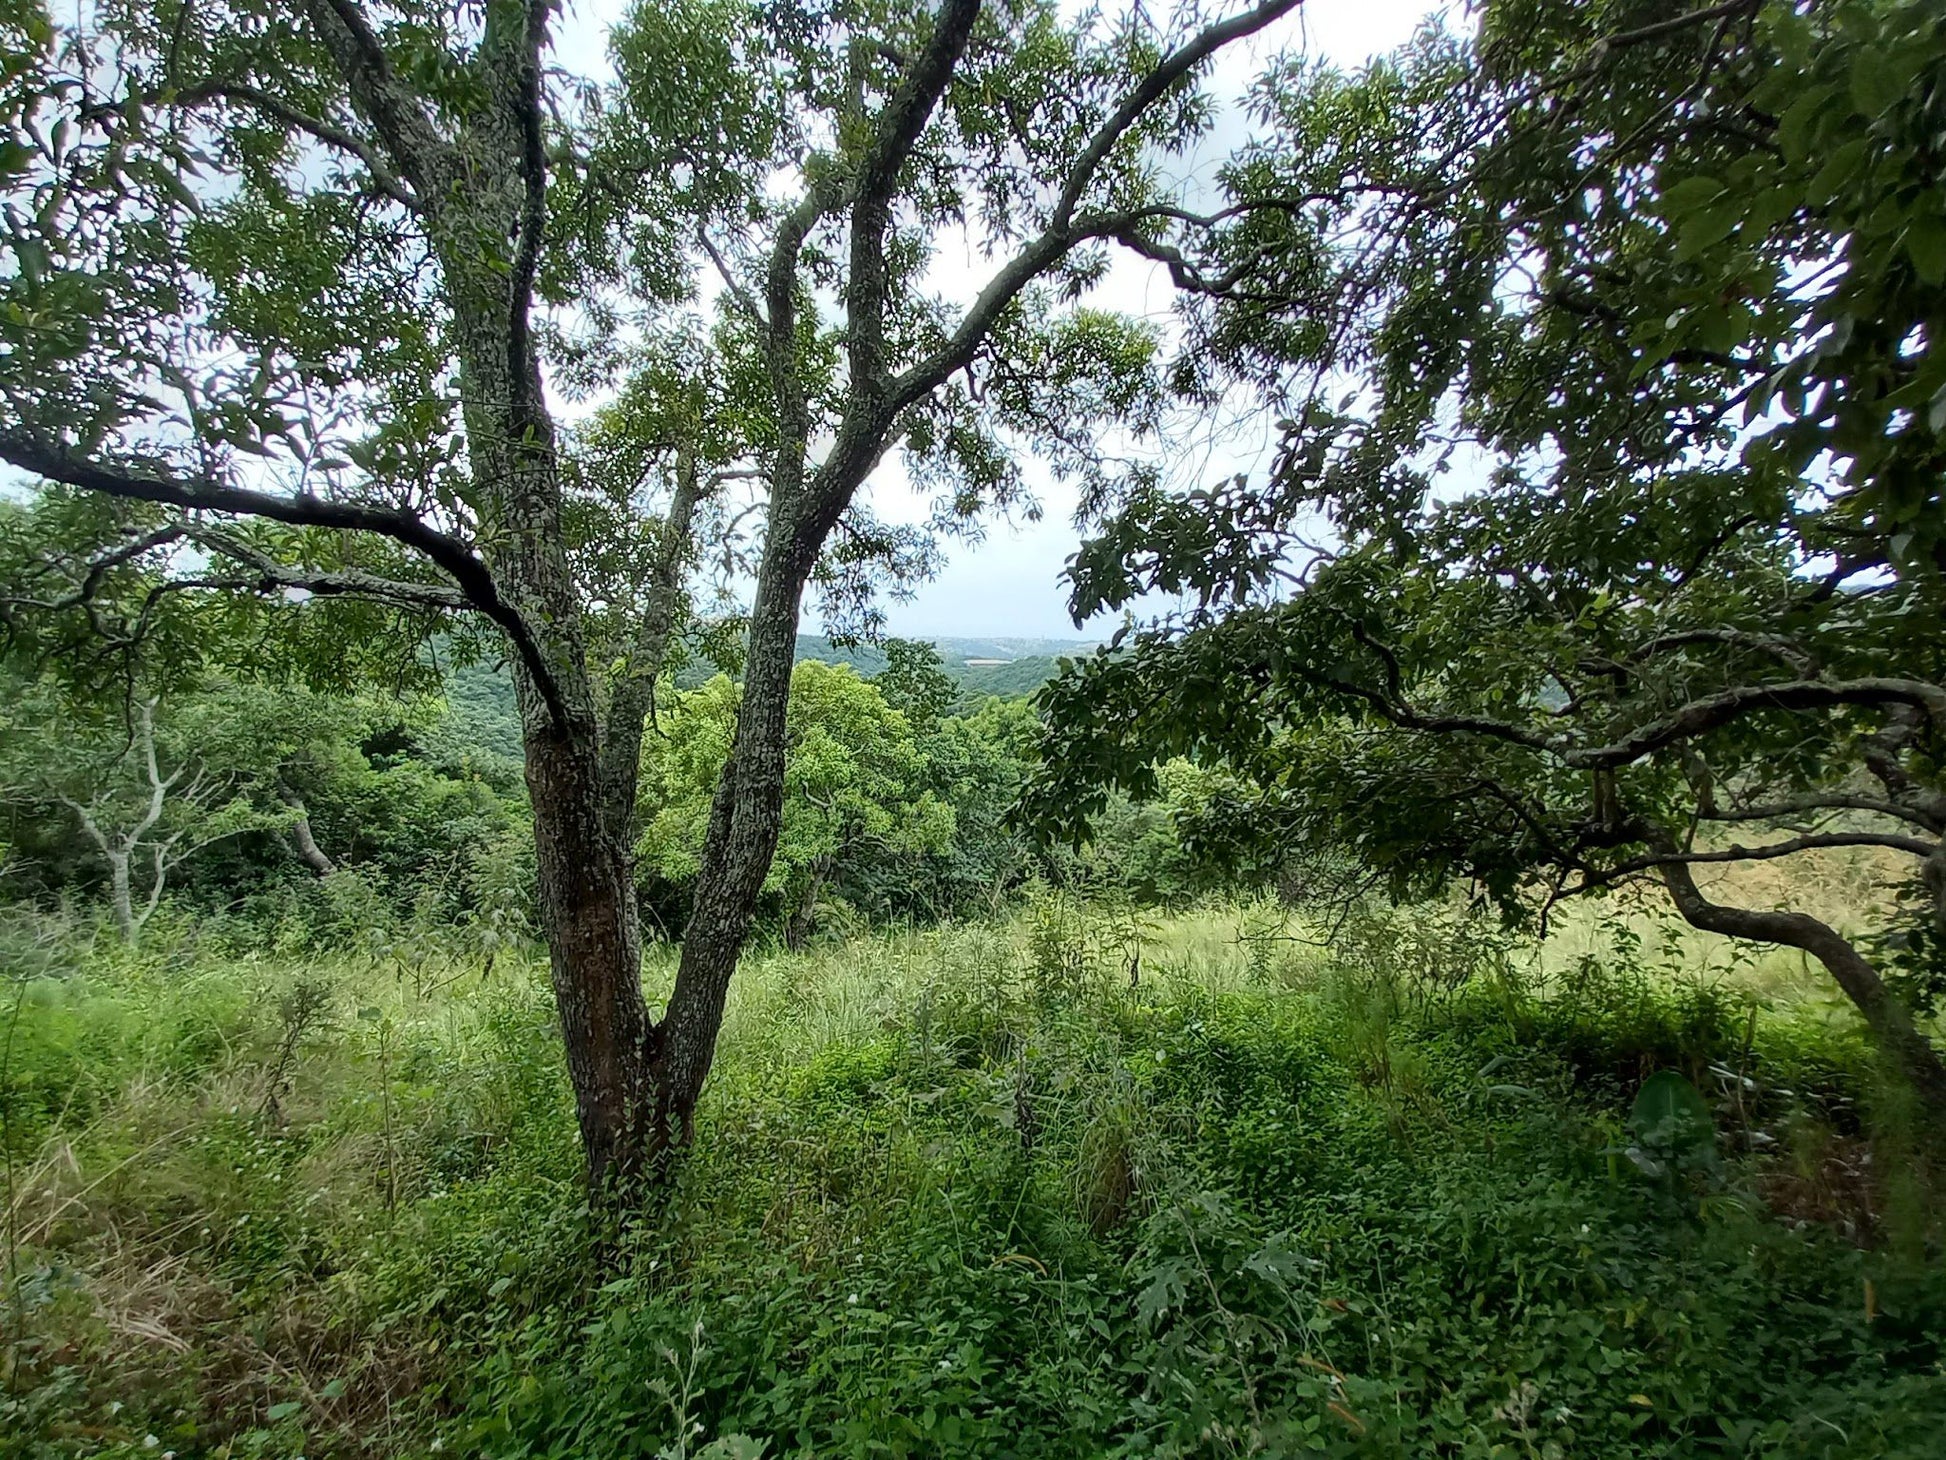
1009, 583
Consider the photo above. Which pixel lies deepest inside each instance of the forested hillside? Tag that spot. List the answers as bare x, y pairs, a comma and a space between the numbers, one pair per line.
1467, 978
481, 696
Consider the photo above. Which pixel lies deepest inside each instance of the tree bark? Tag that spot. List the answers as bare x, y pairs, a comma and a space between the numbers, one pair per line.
1890, 1022
588, 915
746, 816
303, 843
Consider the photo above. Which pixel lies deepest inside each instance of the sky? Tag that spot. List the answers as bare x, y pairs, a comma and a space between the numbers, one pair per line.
1008, 583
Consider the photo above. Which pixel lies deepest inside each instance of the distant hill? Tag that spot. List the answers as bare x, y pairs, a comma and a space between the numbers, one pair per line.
999, 666
481, 713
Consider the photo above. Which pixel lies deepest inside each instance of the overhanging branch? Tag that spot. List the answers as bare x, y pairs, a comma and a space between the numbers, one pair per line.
474, 585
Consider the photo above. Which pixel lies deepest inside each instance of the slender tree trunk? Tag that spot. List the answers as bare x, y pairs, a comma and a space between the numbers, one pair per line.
303, 843
803, 917
1889, 1020
746, 817
121, 898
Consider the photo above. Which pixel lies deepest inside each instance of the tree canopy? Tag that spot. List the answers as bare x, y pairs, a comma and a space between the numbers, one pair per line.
1604, 531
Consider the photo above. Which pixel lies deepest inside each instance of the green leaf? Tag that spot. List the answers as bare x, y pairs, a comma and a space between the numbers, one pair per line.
1874, 85
281, 1412
1690, 194
1842, 168
1705, 230
1669, 1114
1795, 127
1925, 241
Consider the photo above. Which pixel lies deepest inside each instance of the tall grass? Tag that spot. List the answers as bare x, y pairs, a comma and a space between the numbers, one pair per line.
1087, 1181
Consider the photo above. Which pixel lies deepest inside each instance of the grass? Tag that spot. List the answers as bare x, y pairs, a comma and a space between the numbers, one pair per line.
1086, 1182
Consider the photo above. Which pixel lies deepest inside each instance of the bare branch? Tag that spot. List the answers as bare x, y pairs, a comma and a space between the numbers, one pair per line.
1819, 801
745, 300
1890, 1020
268, 575
1622, 39
1152, 88
1790, 653
1698, 717
1768, 852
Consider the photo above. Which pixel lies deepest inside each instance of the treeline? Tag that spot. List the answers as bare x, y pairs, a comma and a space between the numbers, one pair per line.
295, 817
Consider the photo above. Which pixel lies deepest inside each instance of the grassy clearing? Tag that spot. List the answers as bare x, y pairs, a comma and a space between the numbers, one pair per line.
1083, 1183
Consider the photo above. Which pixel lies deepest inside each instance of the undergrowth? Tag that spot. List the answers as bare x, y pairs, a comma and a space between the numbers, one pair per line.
1084, 1184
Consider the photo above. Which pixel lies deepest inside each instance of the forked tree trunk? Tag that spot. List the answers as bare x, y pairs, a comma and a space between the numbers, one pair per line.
1890, 1022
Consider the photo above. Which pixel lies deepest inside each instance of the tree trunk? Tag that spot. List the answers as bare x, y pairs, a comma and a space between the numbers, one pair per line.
1889, 1020
303, 843
587, 898
122, 898
803, 918
746, 817
588, 914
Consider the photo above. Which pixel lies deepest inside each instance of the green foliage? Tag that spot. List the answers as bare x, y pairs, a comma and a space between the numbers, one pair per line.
1639, 607
970, 1194
854, 784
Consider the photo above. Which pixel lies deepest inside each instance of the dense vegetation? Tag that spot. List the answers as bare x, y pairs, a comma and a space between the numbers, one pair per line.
478, 980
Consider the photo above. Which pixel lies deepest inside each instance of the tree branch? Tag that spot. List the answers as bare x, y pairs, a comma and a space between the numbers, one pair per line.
1698, 717
1816, 801
422, 155
267, 575
1622, 39
474, 581
633, 700
900, 122
1061, 235
533, 177
1769, 852
329, 133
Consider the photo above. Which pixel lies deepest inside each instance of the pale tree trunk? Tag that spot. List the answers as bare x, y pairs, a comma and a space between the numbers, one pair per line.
118, 848
121, 897
1890, 1022
299, 833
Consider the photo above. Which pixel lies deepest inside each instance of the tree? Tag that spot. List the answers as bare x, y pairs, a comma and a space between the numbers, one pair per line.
854, 787
1630, 533
144, 805
279, 280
